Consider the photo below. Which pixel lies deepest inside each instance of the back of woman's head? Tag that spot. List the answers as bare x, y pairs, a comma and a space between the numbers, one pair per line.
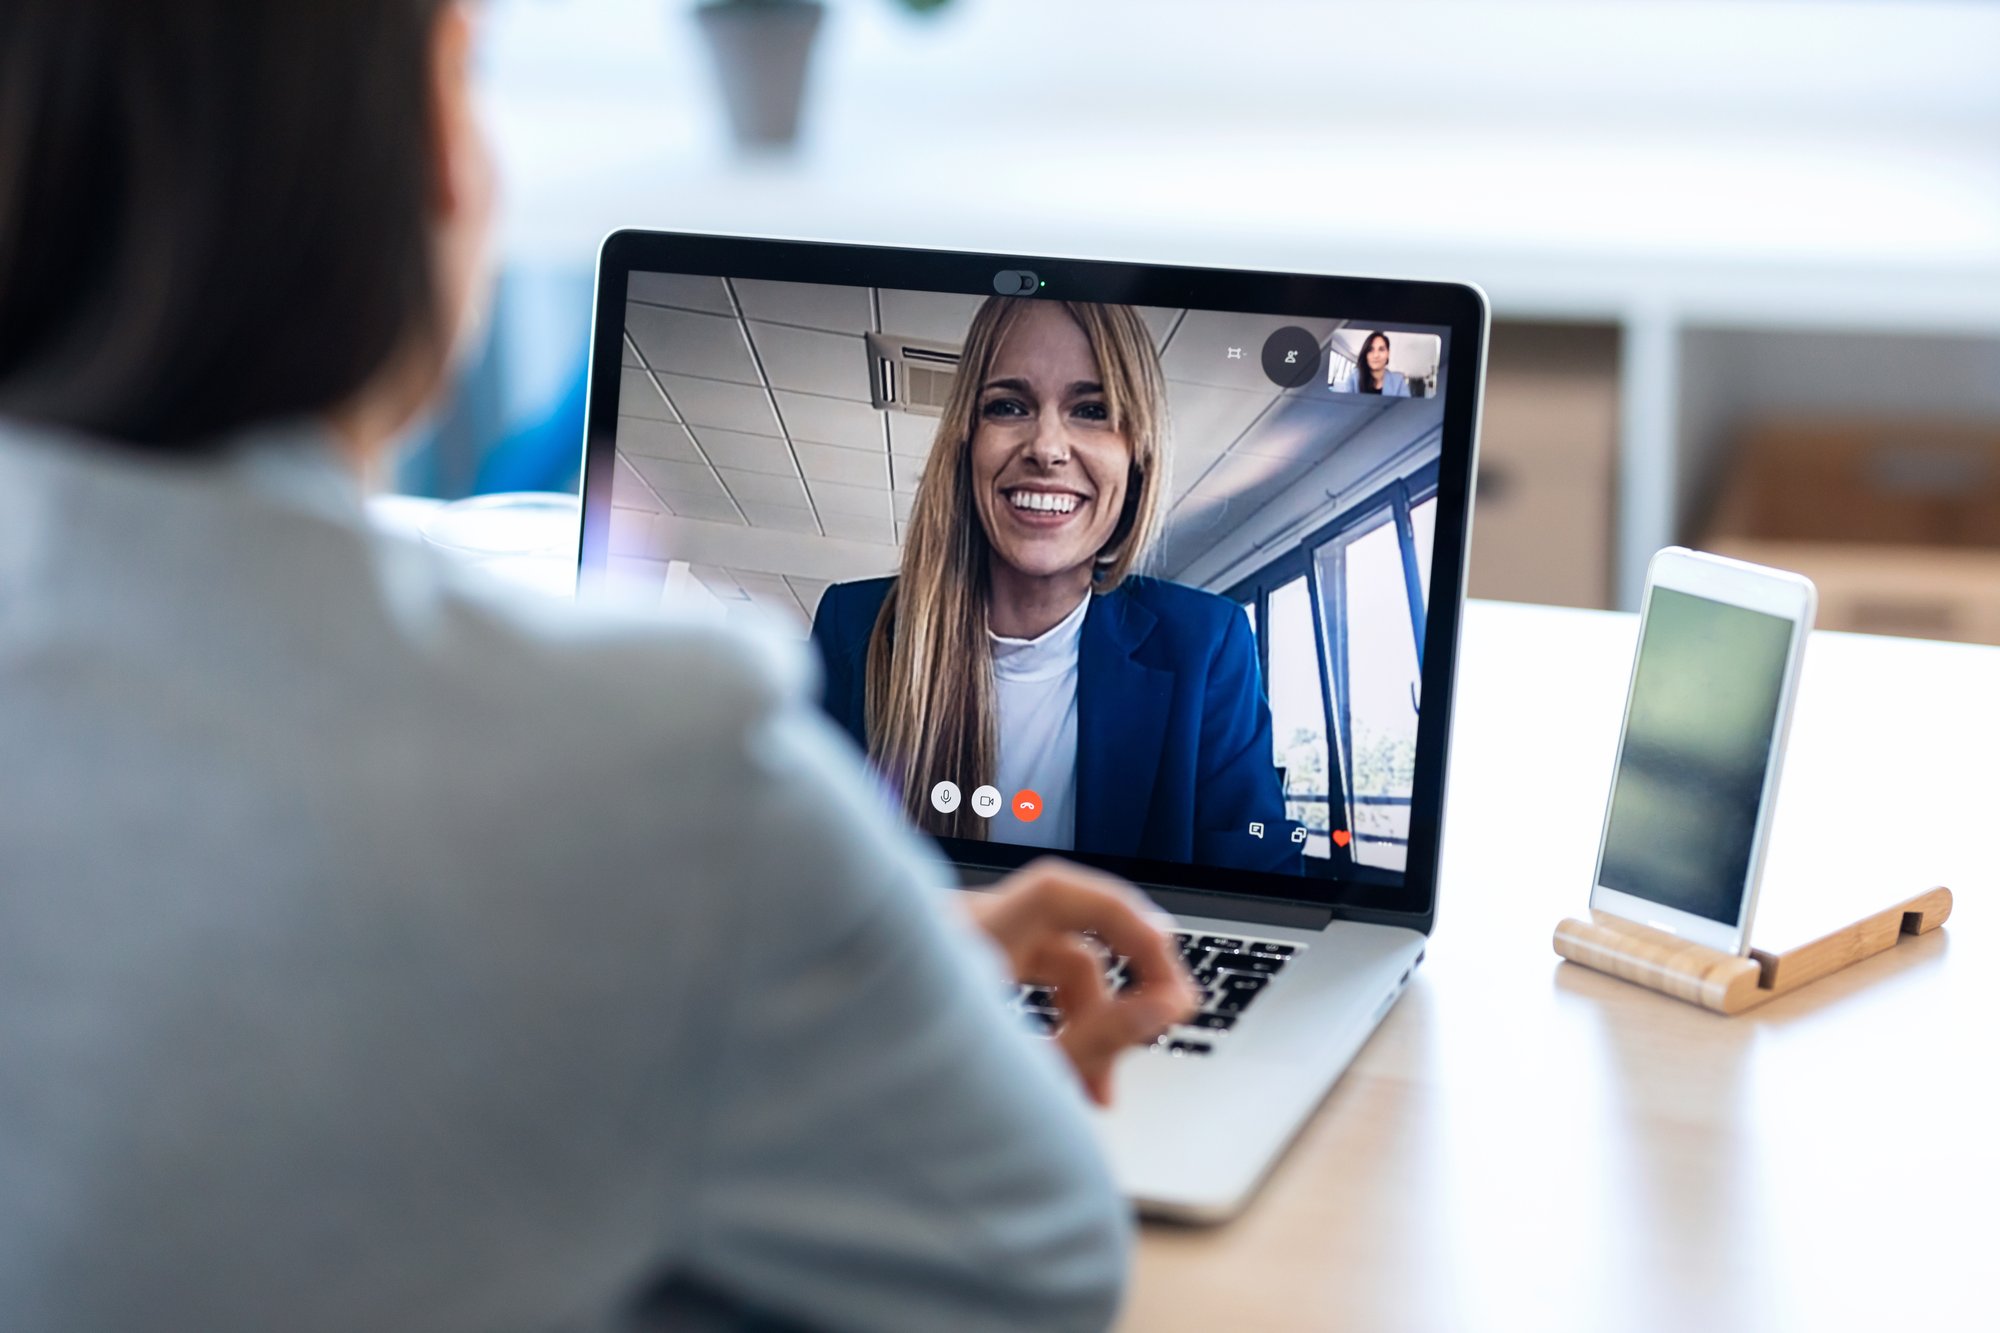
213, 213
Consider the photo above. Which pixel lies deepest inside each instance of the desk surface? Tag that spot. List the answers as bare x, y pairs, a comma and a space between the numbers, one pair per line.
1525, 1143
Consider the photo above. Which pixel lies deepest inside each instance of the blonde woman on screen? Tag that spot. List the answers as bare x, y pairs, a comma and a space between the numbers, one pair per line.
1018, 647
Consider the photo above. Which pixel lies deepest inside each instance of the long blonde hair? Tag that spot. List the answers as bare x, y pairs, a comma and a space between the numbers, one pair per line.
930, 692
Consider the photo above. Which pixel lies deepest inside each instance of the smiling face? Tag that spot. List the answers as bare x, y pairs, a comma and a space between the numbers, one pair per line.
1049, 471
1378, 355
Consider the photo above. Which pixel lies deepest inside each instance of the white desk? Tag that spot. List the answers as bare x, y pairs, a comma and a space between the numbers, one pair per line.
1527, 1144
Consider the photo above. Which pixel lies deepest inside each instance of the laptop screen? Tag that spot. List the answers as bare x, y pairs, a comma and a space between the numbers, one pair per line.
1141, 582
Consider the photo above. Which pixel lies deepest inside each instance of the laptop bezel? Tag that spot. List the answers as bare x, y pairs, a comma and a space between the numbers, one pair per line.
1460, 308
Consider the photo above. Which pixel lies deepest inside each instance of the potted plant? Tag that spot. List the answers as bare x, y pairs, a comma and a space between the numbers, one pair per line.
762, 51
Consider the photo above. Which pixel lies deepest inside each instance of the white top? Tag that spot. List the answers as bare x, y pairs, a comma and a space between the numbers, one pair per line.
1036, 689
358, 964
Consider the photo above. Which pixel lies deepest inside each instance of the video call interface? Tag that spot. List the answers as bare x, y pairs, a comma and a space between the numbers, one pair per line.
1125, 580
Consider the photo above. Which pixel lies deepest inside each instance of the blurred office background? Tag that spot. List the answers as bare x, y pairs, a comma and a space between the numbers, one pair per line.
1744, 255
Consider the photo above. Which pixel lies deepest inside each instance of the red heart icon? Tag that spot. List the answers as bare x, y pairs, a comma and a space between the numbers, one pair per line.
1341, 837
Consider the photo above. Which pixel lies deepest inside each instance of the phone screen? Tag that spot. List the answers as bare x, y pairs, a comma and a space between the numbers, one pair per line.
1698, 743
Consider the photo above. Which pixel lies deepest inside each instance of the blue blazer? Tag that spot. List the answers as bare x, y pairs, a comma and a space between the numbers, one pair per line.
1173, 732
1395, 384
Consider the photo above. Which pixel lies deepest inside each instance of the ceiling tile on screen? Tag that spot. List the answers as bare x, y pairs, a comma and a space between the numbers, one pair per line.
746, 453
1310, 427
822, 420
908, 472
780, 518
718, 581
763, 488
859, 527
1207, 420
628, 492
1159, 321
833, 498
809, 361
709, 508
808, 591
911, 434
855, 467
633, 532
812, 305
933, 316
656, 439
688, 291
685, 342
665, 474
638, 396
716, 403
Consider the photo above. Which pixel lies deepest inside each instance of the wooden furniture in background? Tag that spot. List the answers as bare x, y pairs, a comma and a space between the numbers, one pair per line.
1542, 515
1731, 983
1530, 1145
1896, 520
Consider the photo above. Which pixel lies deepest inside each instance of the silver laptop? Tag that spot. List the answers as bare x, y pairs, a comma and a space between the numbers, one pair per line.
1158, 568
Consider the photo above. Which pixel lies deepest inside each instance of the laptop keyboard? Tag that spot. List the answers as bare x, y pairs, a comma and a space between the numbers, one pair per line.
1230, 971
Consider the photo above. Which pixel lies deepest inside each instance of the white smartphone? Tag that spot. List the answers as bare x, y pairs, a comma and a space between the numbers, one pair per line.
1706, 717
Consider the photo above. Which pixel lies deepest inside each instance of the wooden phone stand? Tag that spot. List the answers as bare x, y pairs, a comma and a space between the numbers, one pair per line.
1729, 984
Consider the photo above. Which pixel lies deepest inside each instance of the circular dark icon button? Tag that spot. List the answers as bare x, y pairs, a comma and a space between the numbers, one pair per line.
1291, 357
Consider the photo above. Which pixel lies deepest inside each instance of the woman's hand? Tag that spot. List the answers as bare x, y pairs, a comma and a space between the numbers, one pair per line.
1039, 915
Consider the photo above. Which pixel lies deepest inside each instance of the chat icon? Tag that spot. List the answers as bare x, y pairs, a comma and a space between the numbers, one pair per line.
1256, 830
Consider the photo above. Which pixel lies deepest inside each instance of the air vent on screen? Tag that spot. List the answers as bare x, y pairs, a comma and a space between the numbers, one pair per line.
909, 374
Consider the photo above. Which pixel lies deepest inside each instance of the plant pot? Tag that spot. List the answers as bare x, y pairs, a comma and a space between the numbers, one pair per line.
762, 53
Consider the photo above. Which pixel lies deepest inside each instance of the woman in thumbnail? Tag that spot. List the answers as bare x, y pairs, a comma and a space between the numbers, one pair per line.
1017, 648
1371, 373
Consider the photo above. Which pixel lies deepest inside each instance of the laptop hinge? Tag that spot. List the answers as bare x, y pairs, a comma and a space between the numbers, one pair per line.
1236, 907
1196, 902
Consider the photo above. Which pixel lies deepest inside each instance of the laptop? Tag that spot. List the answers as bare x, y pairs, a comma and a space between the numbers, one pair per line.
1157, 568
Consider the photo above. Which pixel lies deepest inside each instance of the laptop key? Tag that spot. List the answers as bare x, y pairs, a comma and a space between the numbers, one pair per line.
1271, 948
1185, 1047
1220, 942
1213, 1022
1247, 962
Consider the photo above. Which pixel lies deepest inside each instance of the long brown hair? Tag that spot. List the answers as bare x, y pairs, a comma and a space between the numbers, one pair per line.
931, 700
1365, 378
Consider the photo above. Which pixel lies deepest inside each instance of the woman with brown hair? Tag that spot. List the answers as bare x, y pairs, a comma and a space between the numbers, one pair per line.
1370, 372
379, 953
1020, 648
